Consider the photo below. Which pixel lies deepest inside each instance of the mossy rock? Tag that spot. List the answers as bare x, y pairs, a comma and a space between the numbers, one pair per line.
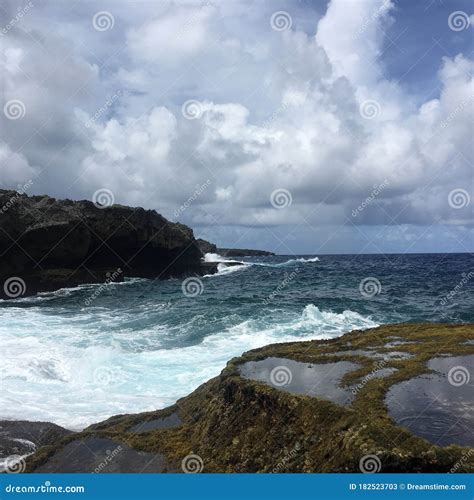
234, 424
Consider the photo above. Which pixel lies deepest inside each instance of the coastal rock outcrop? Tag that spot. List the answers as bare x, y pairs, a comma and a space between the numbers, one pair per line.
19, 439
243, 252
207, 247
46, 244
316, 406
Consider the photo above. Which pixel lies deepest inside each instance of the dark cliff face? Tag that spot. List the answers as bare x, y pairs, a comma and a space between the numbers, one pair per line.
51, 243
242, 252
206, 246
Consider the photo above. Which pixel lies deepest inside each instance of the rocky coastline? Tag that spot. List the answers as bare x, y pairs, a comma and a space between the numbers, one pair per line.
207, 247
360, 402
47, 244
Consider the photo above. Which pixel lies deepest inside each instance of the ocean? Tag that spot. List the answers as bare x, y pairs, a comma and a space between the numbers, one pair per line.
78, 356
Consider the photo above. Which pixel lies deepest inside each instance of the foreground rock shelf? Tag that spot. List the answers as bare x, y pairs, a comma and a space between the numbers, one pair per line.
253, 423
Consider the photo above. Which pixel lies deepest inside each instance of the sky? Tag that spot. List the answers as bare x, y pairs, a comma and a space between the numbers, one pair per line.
300, 127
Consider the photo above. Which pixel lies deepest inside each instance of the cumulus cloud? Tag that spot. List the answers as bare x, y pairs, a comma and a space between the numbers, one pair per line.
310, 111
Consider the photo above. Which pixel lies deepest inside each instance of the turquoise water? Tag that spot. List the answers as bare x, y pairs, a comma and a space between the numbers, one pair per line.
80, 355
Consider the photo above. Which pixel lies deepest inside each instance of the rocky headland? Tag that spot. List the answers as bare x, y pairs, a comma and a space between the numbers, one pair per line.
397, 398
207, 247
47, 244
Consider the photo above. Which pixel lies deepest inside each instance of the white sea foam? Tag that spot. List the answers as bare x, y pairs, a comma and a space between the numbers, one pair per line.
223, 266
69, 371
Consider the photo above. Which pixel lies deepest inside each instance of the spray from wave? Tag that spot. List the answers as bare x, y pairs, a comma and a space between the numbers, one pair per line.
227, 266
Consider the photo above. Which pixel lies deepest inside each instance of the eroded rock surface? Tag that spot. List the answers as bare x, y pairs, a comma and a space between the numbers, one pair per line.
51, 243
238, 424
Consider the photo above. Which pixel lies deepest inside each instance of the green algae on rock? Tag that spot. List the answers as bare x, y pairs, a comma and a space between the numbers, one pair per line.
236, 424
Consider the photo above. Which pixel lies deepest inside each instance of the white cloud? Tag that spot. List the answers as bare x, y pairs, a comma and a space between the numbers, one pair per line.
279, 110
